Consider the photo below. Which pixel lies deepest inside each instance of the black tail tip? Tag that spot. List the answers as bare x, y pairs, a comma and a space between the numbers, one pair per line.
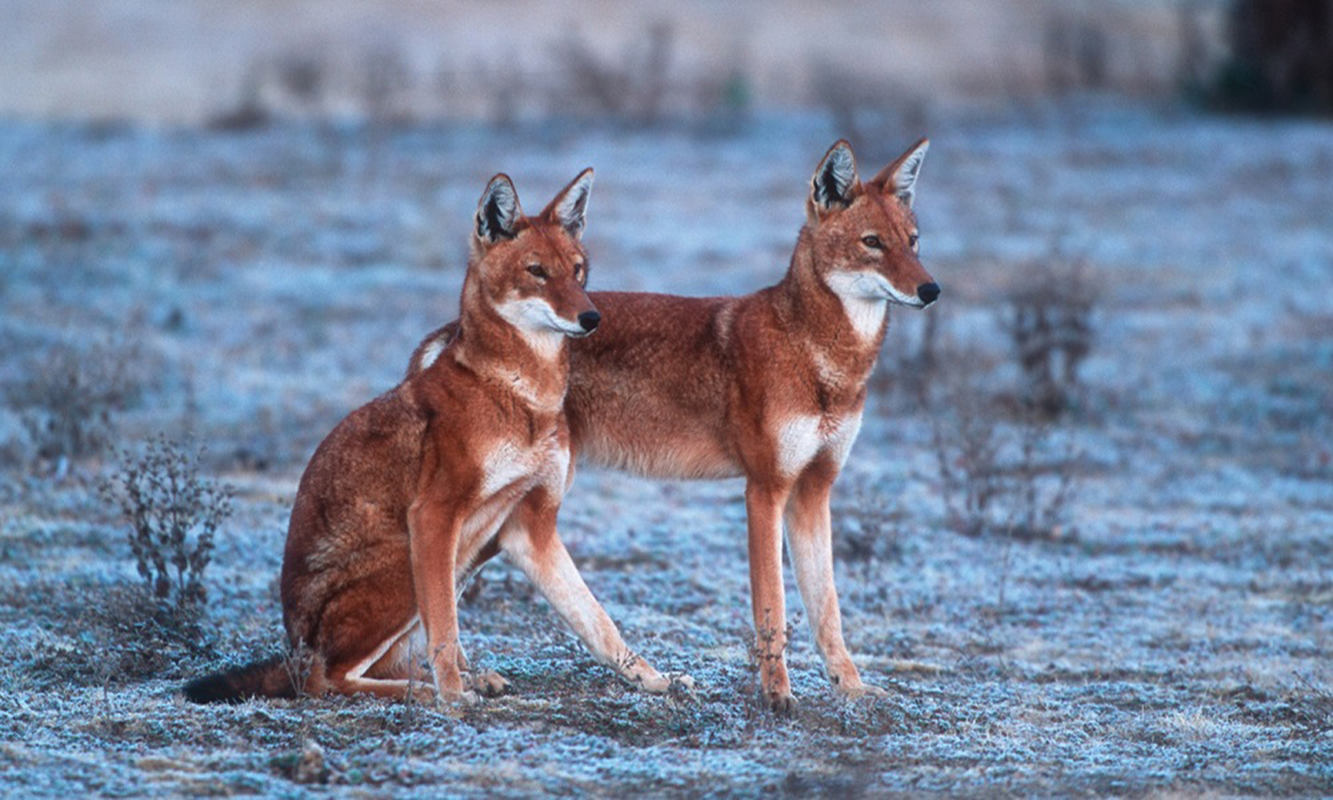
210, 689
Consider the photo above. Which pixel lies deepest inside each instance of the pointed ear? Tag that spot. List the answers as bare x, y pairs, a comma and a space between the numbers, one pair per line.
498, 211
835, 179
900, 176
569, 209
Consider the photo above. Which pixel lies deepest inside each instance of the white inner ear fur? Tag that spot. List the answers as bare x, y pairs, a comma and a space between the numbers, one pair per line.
572, 209
839, 169
904, 179
542, 328
498, 211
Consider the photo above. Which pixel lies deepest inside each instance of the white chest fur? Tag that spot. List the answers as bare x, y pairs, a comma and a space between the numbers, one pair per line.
804, 437
510, 465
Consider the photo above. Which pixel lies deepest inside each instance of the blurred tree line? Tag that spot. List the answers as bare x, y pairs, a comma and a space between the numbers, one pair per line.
1281, 57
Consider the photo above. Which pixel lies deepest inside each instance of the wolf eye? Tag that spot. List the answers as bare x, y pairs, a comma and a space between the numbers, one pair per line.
872, 242
912, 240
536, 269
578, 273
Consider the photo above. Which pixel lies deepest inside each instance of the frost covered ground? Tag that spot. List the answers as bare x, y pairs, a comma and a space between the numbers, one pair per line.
257, 286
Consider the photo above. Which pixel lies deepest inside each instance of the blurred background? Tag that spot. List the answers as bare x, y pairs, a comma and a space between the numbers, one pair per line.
243, 62
1083, 536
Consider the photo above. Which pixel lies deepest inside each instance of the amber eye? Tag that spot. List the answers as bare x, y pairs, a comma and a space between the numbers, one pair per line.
912, 240
872, 242
578, 273
537, 270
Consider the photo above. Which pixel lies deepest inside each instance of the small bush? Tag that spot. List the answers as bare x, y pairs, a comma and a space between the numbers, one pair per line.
1002, 469
866, 527
875, 115
632, 89
1075, 52
386, 81
71, 396
107, 634
903, 380
1049, 318
174, 514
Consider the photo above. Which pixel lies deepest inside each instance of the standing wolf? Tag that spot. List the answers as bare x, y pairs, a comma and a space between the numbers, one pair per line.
770, 386
466, 459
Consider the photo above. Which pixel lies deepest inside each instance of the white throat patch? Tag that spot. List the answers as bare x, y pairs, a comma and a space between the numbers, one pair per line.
865, 296
538, 324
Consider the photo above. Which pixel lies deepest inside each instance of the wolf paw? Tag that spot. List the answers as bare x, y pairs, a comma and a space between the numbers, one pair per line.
861, 691
488, 684
780, 703
654, 684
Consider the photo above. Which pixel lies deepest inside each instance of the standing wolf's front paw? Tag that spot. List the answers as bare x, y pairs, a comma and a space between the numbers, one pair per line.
859, 691
780, 703
487, 684
654, 683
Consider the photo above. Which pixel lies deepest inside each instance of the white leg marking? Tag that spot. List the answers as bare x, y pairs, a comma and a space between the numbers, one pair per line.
798, 442
843, 436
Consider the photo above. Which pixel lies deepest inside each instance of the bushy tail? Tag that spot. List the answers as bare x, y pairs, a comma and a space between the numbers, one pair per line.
268, 678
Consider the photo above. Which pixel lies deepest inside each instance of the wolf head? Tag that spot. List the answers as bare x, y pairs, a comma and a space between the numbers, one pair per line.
531, 271
864, 235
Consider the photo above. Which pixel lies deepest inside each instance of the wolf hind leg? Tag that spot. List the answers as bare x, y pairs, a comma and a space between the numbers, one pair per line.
392, 669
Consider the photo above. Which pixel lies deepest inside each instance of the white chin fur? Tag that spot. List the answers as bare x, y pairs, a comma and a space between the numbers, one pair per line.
866, 286
865, 297
543, 329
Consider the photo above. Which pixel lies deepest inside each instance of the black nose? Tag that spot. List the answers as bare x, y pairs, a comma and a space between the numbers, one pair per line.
589, 320
928, 292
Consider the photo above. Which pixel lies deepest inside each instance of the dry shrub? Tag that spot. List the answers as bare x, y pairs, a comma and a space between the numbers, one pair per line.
303, 75
866, 527
100, 635
633, 88
1048, 315
70, 396
307, 81
764, 650
903, 378
875, 115
386, 82
1075, 52
249, 111
174, 513
1002, 468
1311, 709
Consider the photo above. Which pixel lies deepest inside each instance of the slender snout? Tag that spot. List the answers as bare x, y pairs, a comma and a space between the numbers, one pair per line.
590, 320
928, 292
